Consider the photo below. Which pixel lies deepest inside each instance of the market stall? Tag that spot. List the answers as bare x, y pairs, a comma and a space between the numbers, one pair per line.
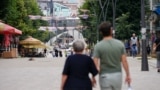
28, 44
31, 46
9, 41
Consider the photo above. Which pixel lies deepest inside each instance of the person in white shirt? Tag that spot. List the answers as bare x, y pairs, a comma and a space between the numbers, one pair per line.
134, 43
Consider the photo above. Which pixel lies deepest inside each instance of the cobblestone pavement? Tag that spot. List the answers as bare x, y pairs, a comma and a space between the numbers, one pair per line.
45, 74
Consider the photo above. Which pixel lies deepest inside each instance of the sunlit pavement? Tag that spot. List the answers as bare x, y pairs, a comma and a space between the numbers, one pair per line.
45, 74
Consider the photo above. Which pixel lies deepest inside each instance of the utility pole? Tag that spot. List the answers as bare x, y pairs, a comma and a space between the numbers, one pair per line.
144, 62
114, 15
51, 22
151, 22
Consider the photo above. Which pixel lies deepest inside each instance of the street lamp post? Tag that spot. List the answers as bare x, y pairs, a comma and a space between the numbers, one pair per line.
65, 36
52, 13
114, 15
144, 63
79, 29
84, 16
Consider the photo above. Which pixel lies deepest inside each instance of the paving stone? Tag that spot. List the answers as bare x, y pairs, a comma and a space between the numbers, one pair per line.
45, 74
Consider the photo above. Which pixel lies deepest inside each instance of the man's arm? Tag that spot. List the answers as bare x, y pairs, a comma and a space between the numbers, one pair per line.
96, 62
126, 68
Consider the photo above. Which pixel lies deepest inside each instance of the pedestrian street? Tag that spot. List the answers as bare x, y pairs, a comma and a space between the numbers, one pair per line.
45, 74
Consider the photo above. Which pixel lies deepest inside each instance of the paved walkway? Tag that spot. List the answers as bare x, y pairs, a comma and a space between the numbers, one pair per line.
45, 74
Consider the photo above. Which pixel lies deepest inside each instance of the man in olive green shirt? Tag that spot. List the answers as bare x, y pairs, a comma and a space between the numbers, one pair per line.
109, 53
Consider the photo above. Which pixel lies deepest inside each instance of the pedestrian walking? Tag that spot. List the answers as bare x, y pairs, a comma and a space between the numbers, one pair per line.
53, 53
148, 49
56, 52
65, 53
45, 52
60, 53
134, 43
127, 47
76, 70
156, 46
108, 55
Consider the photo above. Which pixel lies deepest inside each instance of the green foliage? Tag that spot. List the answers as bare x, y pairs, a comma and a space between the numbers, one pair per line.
32, 7
3, 9
127, 14
123, 27
15, 13
133, 7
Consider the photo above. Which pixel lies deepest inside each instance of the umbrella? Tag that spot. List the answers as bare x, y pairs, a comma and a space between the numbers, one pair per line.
42, 45
7, 29
30, 41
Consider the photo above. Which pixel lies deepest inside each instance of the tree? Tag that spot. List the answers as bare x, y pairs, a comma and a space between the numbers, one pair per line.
133, 7
15, 13
123, 27
132, 19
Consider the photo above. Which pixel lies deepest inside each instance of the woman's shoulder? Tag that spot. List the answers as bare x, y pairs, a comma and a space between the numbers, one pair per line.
84, 56
79, 57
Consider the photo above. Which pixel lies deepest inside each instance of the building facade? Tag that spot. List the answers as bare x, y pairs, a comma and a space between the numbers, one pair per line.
63, 18
63, 8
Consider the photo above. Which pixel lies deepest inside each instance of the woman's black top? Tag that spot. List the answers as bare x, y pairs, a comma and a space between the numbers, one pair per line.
77, 68
157, 41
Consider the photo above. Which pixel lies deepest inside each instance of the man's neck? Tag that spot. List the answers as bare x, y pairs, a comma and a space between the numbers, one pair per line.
107, 38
